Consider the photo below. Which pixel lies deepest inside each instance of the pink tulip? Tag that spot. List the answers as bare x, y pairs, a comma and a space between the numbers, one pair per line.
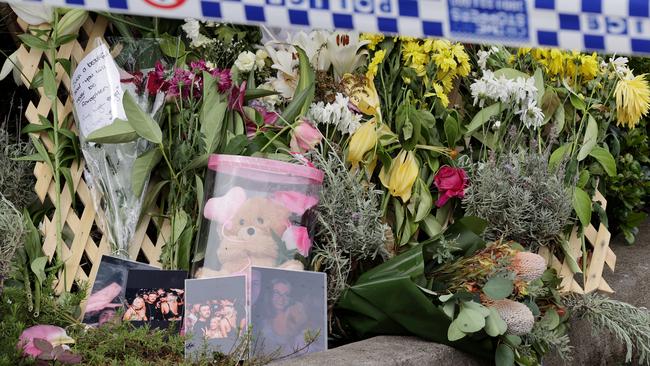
56, 336
295, 202
101, 299
297, 237
305, 137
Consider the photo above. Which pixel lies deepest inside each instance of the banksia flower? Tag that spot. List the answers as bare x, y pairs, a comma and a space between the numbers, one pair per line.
528, 266
518, 317
632, 100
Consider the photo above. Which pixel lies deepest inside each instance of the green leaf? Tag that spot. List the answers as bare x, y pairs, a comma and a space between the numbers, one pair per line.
118, 132
425, 203
306, 78
184, 249
198, 184
49, 82
152, 195
454, 333
294, 108
558, 155
504, 356
258, 93
590, 139
172, 46
469, 320
498, 288
560, 118
551, 319
509, 73
577, 102
539, 84
605, 159
67, 174
513, 340
449, 309
431, 226
452, 131
494, 325
568, 257
583, 178
38, 267
141, 122
179, 223
142, 168
42, 151
213, 114
33, 42
483, 116
582, 206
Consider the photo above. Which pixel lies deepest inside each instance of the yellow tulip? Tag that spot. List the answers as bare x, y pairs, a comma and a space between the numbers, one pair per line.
402, 174
363, 140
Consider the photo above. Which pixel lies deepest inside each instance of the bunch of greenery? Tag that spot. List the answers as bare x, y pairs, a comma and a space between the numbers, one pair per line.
629, 324
16, 178
12, 232
350, 229
521, 197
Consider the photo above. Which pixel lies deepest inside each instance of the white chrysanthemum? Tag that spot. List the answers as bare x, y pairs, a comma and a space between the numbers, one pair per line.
337, 114
192, 29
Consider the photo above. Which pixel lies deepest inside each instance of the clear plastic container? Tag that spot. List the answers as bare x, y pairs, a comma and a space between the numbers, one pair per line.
256, 212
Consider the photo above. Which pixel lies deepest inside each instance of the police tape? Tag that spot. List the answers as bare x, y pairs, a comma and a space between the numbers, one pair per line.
612, 26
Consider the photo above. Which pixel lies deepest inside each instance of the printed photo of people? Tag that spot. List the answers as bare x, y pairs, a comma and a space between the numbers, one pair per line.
155, 297
108, 291
216, 317
287, 308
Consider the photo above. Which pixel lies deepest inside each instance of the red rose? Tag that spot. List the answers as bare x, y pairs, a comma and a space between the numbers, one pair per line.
451, 182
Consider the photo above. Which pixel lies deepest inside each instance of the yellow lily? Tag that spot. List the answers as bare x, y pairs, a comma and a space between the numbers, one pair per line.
402, 174
363, 140
362, 93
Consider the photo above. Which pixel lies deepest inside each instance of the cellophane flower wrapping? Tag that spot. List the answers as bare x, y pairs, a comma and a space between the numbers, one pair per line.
99, 84
257, 212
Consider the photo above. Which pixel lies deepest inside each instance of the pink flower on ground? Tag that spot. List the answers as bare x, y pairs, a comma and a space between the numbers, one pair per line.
297, 237
451, 182
53, 334
305, 137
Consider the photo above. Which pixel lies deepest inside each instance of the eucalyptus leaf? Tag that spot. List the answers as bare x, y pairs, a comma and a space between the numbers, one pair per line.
454, 333
504, 356
142, 168
551, 319
494, 325
477, 307
605, 158
141, 122
498, 288
582, 206
590, 139
449, 309
469, 320
118, 132
483, 116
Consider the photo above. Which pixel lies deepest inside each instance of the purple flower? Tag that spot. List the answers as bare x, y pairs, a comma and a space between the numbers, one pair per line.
156, 80
182, 83
224, 80
198, 66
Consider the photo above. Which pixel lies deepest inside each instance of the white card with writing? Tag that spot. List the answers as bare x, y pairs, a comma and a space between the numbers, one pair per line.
96, 91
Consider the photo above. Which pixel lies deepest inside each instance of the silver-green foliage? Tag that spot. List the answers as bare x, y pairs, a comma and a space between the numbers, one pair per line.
629, 324
16, 179
350, 226
12, 232
520, 197
555, 340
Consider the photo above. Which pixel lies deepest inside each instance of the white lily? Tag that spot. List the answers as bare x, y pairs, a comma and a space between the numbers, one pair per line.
314, 45
344, 50
33, 14
11, 64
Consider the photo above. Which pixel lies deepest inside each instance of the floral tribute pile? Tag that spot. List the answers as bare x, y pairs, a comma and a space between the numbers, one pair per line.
447, 167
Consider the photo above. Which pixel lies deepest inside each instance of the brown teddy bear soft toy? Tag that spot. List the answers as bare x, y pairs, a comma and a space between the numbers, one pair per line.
250, 234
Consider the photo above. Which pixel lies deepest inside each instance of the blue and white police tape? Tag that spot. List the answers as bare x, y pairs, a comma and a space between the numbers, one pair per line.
614, 26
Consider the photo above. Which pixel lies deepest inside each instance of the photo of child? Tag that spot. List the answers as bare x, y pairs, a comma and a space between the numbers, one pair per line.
216, 314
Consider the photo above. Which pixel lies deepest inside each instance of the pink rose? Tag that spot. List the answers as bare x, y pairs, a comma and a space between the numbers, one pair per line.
305, 137
451, 182
297, 237
54, 335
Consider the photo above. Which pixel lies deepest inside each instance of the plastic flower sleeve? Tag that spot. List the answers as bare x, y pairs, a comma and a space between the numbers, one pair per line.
99, 86
257, 212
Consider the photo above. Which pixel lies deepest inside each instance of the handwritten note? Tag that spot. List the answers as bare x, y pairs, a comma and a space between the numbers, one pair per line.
96, 91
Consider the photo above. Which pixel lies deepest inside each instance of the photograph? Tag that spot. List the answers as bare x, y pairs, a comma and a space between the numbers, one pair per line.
108, 291
216, 318
155, 297
288, 311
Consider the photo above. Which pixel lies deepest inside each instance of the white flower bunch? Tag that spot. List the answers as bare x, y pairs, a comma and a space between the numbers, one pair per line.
192, 29
484, 55
336, 114
519, 93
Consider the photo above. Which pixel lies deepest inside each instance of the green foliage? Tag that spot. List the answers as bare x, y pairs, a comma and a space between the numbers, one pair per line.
629, 324
12, 232
16, 178
521, 197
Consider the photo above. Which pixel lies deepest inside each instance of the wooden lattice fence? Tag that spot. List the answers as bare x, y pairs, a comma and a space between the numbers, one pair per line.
84, 237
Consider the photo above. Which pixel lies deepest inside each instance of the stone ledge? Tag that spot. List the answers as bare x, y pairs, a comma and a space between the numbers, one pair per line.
632, 283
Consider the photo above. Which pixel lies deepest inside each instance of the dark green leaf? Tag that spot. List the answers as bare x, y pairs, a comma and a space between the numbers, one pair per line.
294, 108
452, 130
582, 206
504, 356
142, 168
590, 139
67, 174
605, 159
258, 93
45, 156
117, 132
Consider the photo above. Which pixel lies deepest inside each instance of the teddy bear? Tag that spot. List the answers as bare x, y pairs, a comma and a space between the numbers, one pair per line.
253, 229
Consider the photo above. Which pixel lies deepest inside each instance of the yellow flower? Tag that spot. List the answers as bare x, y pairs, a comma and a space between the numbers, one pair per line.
523, 51
374, 38
400, 177
411, 51
445, 61
440, 44
363, 95
555, 62
440, 93
464, 69
376, 60
447, 80
589, 66
632, 100
363, 140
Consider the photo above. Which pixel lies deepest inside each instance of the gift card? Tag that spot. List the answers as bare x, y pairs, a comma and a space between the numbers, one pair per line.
216, 316
288, 312
107, 294
155, 297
